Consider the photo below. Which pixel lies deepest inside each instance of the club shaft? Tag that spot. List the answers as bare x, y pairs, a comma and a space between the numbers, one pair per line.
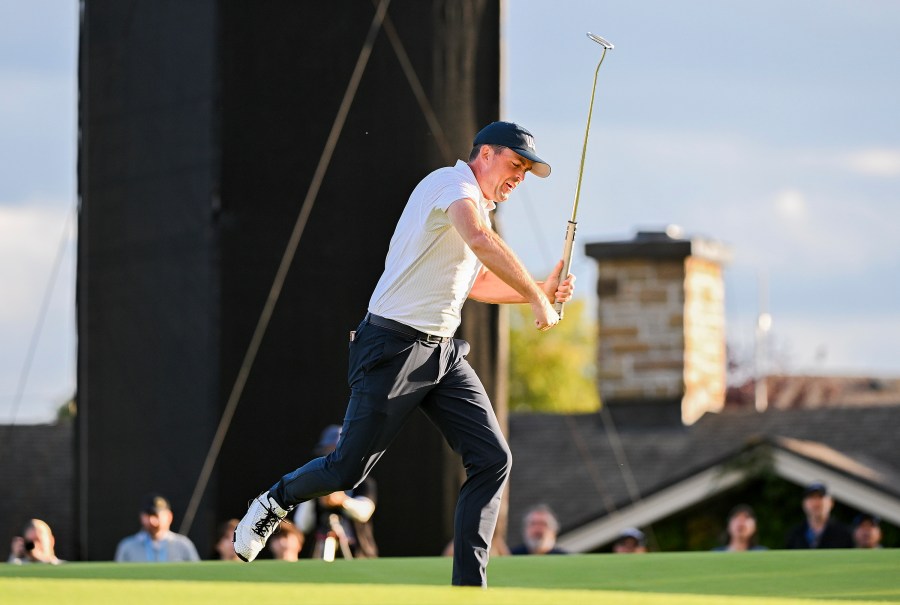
570, 228
587, 132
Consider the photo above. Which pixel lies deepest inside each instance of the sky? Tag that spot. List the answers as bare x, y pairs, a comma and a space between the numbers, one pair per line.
769, 126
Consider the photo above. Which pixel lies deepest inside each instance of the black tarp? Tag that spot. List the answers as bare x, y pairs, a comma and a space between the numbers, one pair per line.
201, 126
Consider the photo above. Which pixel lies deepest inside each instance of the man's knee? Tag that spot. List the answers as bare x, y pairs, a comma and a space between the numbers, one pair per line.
498, 460
344, 474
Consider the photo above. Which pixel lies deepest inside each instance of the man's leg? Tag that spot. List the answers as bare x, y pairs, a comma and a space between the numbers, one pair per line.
389, 375
460, 408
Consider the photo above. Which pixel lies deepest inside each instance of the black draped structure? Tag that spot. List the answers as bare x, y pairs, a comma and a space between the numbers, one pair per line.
202, 124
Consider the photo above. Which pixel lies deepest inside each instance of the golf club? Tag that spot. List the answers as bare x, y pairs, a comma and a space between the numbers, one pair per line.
570, 228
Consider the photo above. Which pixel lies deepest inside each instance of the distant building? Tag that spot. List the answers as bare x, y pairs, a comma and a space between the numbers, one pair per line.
810, 392
655, 449
661, 324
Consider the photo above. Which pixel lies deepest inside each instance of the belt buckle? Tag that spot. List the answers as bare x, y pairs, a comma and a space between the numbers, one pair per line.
433, 338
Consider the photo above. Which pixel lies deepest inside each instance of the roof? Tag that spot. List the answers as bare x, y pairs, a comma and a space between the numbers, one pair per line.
578, 465
799, 391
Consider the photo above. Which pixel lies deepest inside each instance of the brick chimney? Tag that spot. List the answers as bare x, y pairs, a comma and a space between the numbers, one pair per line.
661, 357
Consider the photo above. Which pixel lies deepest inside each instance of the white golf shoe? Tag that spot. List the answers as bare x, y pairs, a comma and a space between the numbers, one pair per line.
261, 519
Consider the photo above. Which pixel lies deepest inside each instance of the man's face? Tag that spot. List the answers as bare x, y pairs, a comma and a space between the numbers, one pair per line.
538, 525
156, 523
817, 505
539, 533
505, 170
867, 535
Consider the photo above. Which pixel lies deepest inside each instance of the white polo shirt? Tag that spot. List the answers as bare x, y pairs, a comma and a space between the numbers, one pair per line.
429, 270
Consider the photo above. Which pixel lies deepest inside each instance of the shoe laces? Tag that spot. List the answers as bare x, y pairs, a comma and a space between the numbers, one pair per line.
266, 525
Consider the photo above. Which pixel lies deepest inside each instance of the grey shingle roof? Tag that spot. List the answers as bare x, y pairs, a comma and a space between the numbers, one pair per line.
570, 463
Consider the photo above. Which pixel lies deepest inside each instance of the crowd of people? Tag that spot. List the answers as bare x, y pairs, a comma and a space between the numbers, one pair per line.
818, 529
340, 526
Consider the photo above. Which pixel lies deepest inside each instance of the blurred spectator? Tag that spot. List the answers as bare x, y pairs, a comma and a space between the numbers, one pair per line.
741, 532
539, 529
286, 543
867, 531
35, 545
819, 530
225, 542
340, 521
155, 542
631, 540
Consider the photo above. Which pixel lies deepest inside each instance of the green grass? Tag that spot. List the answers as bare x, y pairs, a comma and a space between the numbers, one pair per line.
759, 578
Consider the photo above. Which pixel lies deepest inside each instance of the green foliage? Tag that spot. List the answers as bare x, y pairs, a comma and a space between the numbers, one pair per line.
553, 371
67, 411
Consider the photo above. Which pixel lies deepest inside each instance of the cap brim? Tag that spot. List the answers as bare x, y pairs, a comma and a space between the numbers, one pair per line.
539, 167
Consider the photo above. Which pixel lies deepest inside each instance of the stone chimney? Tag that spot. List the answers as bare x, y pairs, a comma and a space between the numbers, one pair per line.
661, 357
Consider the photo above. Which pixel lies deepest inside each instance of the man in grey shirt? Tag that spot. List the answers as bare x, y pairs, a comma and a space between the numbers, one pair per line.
155, 543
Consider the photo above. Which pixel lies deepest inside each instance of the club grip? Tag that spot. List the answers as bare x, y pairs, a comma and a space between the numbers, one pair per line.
567, 261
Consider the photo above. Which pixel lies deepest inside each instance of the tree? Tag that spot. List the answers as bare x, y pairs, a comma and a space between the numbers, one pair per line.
553, 371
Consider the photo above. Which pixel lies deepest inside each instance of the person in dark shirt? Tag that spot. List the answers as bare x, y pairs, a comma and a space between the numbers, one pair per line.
819, 530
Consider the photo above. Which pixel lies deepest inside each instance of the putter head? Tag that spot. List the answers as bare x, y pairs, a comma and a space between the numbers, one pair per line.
600, 41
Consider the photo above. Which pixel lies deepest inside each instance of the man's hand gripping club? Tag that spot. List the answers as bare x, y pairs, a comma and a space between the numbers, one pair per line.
545, 316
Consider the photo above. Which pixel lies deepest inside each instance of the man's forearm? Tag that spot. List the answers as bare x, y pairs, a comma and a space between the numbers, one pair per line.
507, 281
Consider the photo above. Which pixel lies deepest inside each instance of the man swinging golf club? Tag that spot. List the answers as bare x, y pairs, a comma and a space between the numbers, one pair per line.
403, 355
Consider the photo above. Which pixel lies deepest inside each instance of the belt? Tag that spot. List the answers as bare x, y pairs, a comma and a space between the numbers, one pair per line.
396, 326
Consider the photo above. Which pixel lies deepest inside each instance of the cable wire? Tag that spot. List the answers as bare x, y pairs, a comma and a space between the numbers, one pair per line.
42, 315
286, 260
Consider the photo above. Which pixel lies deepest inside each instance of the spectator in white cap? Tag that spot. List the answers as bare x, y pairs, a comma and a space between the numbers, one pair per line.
630, 540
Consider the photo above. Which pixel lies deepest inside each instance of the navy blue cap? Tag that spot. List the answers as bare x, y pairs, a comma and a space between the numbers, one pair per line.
154, 504
516, 138
863, 517
816, 488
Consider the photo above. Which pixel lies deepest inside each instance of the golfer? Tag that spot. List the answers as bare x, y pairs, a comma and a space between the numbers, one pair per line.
403, 355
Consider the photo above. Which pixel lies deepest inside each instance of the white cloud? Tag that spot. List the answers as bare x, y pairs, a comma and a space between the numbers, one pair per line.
29, 242
790, 205
810, 232
875, 162
870, 162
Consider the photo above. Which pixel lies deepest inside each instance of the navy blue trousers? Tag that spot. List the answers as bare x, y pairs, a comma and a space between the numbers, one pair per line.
391, 375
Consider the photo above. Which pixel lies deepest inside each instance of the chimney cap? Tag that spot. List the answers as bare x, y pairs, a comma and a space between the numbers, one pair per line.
667, 243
